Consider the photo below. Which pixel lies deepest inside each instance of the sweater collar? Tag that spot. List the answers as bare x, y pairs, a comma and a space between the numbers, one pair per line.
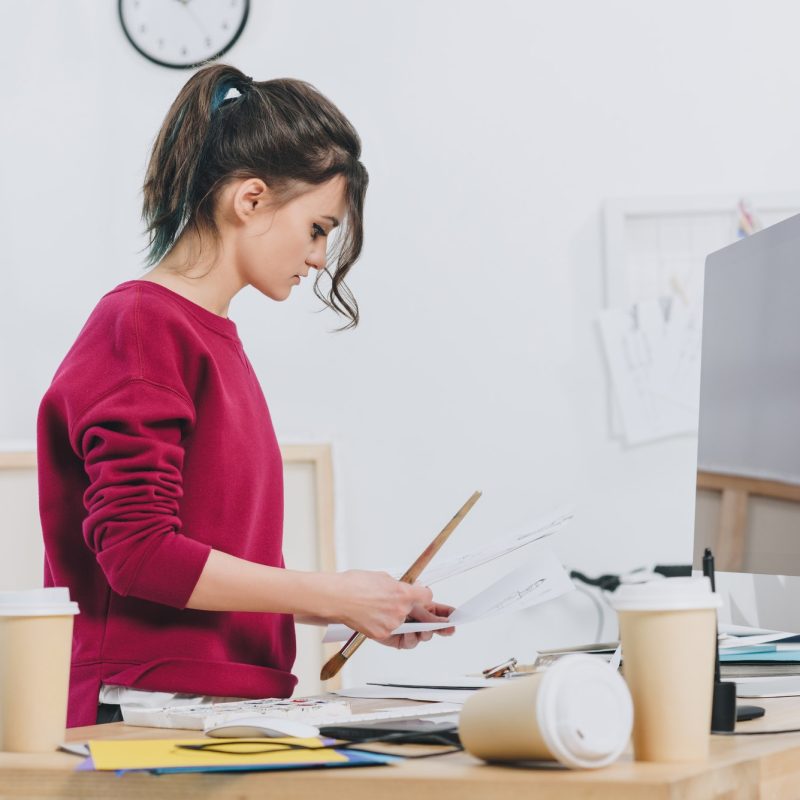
223, 325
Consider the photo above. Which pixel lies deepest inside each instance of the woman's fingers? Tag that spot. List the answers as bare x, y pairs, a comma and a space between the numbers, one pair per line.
431, 612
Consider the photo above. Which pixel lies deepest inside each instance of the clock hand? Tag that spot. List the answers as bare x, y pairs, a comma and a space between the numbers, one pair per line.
193, 15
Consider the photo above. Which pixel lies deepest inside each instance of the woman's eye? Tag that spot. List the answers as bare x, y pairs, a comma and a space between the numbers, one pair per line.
317, 230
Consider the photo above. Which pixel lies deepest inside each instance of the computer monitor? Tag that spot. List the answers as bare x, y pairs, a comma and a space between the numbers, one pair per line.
748, 495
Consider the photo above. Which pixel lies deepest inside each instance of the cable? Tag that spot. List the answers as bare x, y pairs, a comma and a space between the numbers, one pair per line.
601, 617
607, 582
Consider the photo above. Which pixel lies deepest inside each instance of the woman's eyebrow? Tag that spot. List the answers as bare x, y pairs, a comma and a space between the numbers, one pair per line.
333, 220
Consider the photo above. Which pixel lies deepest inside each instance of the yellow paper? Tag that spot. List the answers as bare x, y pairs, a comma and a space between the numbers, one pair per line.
153, 753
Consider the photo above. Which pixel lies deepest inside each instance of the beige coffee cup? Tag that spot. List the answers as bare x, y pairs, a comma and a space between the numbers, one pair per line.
668, 630
35, 652
578, 712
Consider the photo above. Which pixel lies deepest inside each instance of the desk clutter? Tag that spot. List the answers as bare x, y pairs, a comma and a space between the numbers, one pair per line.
570, 707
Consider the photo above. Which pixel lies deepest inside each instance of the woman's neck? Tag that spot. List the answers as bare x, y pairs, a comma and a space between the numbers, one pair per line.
200, 272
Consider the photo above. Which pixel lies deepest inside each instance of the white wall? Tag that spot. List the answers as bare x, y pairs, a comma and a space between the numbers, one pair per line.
492, 133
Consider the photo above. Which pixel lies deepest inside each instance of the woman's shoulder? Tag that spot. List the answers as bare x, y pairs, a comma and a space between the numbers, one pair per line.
151, 306
134, 302
132, 331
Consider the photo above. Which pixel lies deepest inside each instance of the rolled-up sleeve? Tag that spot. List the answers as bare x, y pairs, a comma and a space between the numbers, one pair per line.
131, 444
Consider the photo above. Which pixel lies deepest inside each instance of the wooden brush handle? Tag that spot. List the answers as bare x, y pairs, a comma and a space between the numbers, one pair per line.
414, 571
335, 663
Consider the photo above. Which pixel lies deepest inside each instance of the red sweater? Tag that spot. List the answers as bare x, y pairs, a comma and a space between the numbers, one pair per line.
155, 444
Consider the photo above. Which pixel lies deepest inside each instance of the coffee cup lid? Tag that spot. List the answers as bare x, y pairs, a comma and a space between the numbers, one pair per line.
666, 594
50, 601
584, 711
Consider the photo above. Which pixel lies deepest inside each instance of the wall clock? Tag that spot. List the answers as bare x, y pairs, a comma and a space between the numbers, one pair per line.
183, 34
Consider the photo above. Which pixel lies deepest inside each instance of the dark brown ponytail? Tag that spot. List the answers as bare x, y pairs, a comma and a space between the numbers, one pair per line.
282, 131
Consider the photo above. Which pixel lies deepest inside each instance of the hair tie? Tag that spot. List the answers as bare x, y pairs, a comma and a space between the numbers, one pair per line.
245, 85
242, 85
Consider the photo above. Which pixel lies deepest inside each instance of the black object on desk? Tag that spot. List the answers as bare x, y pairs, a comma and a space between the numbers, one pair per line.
724, 711
414, 731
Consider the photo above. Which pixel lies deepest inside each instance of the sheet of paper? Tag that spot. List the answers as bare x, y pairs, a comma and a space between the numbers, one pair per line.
545, 526
653, 353
115, 754
731, 635
440, 682
677, 379
441, 697
538, 579
729, 629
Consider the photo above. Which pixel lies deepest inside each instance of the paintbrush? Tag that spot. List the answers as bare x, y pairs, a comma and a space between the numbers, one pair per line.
335, 663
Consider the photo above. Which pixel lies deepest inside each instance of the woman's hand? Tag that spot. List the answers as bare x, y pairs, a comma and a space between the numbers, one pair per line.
374, 603
430, 612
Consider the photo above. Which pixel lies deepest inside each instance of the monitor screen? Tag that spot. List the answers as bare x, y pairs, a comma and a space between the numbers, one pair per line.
748, 460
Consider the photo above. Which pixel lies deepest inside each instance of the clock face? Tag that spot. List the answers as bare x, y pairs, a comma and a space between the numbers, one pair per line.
182, 33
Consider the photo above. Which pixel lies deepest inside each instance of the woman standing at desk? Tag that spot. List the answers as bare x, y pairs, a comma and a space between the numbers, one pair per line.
160, 476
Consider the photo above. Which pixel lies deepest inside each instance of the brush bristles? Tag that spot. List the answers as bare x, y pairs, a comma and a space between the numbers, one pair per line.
332, 667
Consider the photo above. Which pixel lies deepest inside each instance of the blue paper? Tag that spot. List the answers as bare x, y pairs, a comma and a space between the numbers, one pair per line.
354, 759
765, 656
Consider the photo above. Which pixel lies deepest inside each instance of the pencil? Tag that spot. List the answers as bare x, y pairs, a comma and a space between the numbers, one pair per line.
335, 663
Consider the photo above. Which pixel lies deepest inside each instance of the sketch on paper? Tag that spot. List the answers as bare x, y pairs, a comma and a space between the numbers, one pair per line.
539, 579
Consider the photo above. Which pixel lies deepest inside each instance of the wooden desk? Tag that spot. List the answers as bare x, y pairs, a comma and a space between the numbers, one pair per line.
739, 767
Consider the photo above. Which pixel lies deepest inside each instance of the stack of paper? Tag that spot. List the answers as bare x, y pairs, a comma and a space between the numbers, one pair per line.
761, 660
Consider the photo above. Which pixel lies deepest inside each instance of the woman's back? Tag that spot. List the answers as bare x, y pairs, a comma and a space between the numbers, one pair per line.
155, 445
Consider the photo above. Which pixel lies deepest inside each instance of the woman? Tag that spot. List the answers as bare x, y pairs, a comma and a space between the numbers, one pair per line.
160, 476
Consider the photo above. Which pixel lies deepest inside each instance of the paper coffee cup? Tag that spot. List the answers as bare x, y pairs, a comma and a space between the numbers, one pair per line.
578, 712
35, 652
668, 630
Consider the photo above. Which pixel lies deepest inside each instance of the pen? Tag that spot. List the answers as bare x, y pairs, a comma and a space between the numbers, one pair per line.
708, 567
708, 571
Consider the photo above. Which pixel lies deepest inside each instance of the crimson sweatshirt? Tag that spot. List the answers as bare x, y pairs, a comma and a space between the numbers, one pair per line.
155, 445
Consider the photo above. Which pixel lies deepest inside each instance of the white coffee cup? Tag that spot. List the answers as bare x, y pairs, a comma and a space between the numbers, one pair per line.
668, 630
578, 712
35, 652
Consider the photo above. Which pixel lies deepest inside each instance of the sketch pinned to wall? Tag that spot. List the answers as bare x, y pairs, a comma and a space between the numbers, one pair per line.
655, 252
652, 351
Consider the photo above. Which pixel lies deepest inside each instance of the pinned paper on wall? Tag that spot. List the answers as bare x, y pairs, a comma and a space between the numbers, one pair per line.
655, 251
653, 354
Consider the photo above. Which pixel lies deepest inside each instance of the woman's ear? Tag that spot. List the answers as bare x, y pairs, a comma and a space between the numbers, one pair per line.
250, 196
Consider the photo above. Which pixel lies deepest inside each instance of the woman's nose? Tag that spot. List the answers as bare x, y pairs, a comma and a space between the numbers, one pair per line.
318, 257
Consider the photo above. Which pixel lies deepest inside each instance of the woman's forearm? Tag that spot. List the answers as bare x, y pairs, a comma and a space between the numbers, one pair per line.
371, 602
228, 583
